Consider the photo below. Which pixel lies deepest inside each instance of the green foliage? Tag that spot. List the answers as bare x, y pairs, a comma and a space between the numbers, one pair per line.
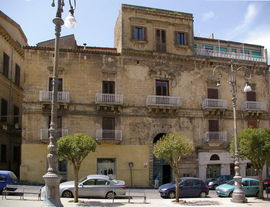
75, 147
254, 144
173, 146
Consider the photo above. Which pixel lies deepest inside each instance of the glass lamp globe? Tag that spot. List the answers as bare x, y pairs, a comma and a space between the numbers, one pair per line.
70, 21
247, 88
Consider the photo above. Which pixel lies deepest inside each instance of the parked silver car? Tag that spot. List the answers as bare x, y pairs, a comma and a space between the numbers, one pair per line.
94, 186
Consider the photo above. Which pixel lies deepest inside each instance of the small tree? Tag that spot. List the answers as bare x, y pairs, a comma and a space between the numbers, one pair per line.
254, 145
75, 148
172, 147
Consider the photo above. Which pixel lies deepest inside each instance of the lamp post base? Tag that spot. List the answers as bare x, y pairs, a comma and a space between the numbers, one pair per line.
52, 194
238, 195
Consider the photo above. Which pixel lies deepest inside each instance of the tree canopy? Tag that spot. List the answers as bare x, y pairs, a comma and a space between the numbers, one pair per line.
75, 148
254, 145
172, 147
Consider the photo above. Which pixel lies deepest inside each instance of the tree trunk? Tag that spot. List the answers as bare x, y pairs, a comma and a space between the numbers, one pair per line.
76, 176
176, 179
261, 183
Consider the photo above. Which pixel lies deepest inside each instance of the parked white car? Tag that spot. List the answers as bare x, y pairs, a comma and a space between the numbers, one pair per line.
94, 186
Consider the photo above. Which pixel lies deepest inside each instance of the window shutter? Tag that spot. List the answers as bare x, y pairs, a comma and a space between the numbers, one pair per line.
213, 125
144, 34
212, 93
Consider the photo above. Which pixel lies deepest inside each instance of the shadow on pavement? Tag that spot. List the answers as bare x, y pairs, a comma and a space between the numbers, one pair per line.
201, 203
99, 204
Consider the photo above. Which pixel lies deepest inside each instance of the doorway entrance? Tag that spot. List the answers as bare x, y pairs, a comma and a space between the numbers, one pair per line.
160, 166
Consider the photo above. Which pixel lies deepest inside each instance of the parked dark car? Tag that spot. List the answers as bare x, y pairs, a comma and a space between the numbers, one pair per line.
266, 184
212, 184
189, 187
7, 177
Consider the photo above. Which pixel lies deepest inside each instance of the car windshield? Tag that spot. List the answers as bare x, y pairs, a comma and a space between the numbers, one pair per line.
13, 176
82, 179
231, 182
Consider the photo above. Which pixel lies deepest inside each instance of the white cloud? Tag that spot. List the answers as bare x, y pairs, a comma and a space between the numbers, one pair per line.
208, 15
250, 15
260, 36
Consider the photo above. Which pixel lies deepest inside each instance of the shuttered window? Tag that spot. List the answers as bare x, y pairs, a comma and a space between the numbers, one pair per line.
139, 33
212, 93
5, 65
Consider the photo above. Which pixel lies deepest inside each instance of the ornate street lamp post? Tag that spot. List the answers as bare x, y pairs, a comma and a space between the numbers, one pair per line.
51, 178
238, 195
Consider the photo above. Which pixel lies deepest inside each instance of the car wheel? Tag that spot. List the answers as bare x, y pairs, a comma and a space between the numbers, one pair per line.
171, 194
67, 194
230, 194
110, 195
203, 194
214, 187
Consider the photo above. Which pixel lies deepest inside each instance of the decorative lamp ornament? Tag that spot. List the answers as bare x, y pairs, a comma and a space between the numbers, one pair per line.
247, 88
70, 20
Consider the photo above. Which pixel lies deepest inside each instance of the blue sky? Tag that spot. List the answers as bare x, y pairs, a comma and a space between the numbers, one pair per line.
235, 20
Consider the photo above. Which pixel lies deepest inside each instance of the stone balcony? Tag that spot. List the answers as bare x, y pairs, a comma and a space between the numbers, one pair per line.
214, 106
46, 96
163, 103
109, 102
108, 136
44, 134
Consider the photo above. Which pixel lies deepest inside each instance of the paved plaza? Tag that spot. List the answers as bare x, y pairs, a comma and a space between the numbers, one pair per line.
153, 200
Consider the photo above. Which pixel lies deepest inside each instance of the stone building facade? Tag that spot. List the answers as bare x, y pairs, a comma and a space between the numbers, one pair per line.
158, 79
12, 39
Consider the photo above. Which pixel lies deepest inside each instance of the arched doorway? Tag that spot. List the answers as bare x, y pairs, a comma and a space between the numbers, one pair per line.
160, 166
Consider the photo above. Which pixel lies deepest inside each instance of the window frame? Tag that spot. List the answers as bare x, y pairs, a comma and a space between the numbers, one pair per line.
138, 33
178, 40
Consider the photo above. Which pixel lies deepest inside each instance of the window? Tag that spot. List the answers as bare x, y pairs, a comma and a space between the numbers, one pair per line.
16, 154
2, 178
5, 65
106, 166
244, 51
180, 38
252, 124
139, 33
17, 74
250, 170
59, 122
108, 87
89, 182
60, 84
162, 87
102, 182
214, 157
212, 93
213, 125
4, 110
234, 50
3, 152
161, 40
16, 114
256, 53
62, 167
208, 47
251, 96
108, 128
224, 49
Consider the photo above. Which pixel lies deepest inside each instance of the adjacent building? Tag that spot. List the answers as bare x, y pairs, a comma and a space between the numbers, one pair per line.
12, 39
158, 79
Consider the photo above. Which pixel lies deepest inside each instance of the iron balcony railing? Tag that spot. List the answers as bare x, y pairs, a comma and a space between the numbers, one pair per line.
214, 104
254, 105
108, 135
218, 136
44, 134
107, 98
154, 100
230, 55
63, 96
